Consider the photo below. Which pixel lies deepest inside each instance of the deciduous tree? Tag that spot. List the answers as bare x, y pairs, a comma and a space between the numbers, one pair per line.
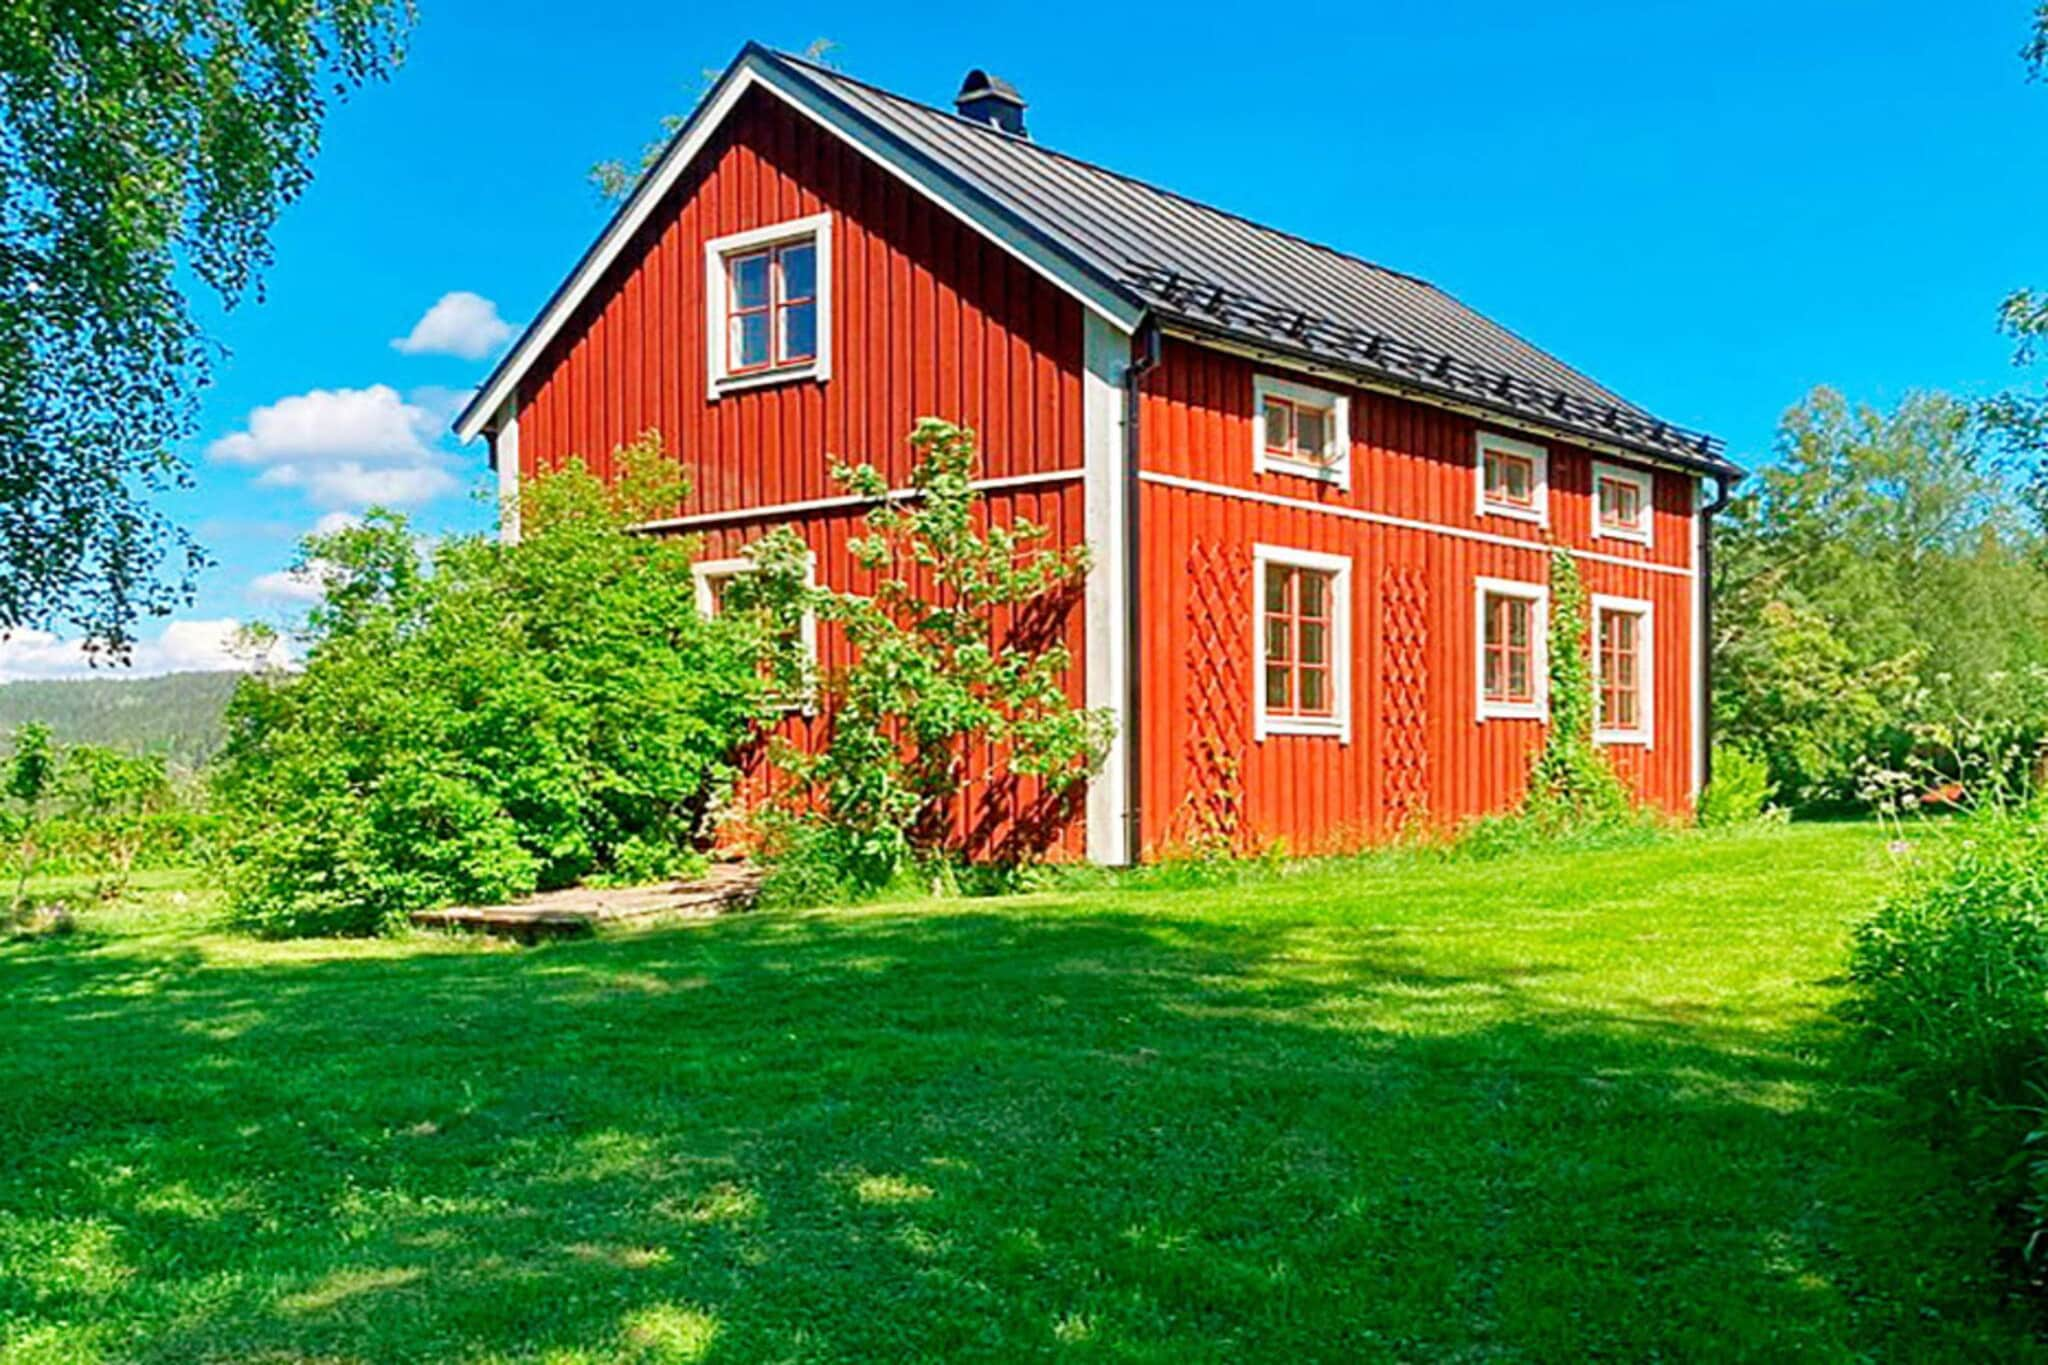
140, 142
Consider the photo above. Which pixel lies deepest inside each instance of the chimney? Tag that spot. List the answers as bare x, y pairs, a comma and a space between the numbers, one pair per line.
992, 100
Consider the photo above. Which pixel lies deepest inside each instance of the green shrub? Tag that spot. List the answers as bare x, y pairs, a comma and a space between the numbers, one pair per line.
506, 718
1741, 790
1951, 986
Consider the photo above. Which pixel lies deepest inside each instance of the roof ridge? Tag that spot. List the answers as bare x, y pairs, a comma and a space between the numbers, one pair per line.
1016, 140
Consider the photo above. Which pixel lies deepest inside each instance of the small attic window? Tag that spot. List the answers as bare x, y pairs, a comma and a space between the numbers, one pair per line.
768, 304
1301, 430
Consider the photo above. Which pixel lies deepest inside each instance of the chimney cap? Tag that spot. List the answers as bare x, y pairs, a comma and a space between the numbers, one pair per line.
982, 85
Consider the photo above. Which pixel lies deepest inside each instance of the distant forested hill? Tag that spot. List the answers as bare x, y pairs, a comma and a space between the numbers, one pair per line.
177, 715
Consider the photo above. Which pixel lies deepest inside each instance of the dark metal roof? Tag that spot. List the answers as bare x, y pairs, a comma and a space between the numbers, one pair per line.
1217, 273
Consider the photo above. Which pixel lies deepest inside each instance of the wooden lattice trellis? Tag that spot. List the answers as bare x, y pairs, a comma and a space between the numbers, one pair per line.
1210, 817
1404, 694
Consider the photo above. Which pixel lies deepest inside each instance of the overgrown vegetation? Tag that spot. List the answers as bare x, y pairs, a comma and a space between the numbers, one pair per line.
1952, 987
957, 647
88, 810
495, 719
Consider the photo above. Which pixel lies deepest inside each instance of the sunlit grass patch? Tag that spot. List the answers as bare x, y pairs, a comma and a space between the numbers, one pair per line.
1548, 1106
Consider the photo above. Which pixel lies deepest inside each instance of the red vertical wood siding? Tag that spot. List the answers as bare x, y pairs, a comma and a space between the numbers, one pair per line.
928, 319
1418, 750
931, 318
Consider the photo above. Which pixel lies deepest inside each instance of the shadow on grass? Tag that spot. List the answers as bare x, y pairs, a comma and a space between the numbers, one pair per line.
948, 1135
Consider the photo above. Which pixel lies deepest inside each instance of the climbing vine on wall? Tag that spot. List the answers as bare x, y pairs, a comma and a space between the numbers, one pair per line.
1571, 783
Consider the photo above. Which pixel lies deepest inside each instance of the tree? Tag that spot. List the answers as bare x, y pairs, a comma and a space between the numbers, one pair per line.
1880, 572
2021, 419
109, 797
138, 140
614, 179
31, 772
956, 648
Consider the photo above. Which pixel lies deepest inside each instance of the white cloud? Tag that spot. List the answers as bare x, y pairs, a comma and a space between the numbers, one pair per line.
331, 522
347, 447
299, 586
181, 647
351, 483
459, 324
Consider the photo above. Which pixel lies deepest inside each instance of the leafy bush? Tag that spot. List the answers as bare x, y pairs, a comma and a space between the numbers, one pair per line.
1741, 790
500, 719
933, 672
1951, 984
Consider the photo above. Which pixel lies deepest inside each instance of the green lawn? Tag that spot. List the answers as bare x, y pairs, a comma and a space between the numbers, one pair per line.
1541, 1108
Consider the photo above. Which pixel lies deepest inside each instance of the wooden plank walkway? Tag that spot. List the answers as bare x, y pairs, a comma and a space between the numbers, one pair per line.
580, 909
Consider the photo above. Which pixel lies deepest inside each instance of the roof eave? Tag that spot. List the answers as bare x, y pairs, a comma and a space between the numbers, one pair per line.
1313, 361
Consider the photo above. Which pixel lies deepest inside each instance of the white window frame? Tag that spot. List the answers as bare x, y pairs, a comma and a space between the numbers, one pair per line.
1337, 471
1337, 725
705, 572
1645, 485
1539, 649
1643, 734
717, 342
1538, 509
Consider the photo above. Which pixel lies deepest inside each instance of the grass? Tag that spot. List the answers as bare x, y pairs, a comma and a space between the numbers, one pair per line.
1543, 1107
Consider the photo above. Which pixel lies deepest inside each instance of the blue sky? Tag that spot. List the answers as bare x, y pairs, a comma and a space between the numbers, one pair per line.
1710, 208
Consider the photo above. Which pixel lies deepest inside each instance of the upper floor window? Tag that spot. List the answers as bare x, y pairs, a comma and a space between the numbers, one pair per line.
768, 314
1622, 666
1514, 478
1302, 635
1621, 502
1301, 430
1513, 649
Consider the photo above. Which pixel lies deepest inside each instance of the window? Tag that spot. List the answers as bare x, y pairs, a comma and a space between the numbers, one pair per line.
1300, 430
1622, 670
1302, 643
768, 315
1621, 502
1514, 660
1514, 478
714, 582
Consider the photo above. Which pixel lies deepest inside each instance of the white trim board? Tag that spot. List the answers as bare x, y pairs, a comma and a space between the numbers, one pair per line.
505, 456
756, 69
1106, 356
1406, 523
767, 511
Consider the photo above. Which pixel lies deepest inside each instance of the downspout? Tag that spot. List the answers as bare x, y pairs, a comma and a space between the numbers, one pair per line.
1144, 358
1724, 490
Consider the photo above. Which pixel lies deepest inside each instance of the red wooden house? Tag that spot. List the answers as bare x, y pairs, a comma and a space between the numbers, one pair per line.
1321, 495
